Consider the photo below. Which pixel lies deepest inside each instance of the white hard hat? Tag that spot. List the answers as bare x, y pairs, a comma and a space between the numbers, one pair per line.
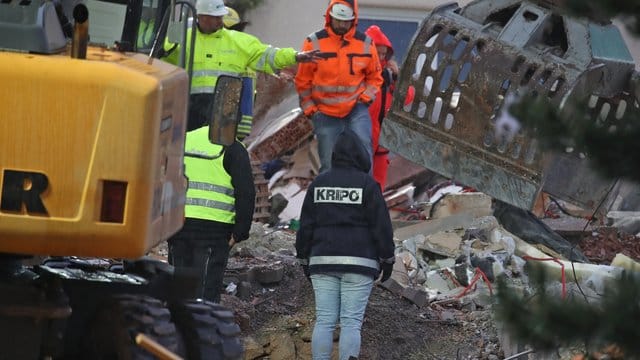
342, 12
211, 7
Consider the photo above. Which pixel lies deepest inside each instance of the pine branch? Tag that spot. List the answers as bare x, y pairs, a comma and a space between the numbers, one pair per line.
547, 322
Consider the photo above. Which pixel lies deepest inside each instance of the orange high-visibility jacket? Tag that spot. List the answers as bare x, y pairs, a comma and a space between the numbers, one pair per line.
350, 71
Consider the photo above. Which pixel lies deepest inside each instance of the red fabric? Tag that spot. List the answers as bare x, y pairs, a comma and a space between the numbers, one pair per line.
380, 158
380, 39
411, 93
374, 112
380, 166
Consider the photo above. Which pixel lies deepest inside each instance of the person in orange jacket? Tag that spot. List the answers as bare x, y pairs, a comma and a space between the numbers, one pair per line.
381, 105
335, 92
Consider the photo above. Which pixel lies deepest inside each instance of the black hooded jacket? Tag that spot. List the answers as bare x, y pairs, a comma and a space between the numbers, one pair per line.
345, 224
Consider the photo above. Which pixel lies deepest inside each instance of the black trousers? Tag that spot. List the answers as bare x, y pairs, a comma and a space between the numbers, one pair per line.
200, 110
201, 248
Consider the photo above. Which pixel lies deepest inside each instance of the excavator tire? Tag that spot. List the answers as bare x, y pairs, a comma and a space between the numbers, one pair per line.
209, 330
111, 334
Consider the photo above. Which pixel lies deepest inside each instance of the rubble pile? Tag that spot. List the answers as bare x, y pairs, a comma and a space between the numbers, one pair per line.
446, 265
451, 243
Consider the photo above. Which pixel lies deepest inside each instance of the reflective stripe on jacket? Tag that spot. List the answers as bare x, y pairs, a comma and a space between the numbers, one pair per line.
345, 261
210, 195
229, 52
349, 73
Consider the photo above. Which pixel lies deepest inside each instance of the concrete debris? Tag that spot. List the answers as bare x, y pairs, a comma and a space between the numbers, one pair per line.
277, 203
474, 203
625, 262
416, 295
459, 221
436, 259
442, 243
627, 221
460, 229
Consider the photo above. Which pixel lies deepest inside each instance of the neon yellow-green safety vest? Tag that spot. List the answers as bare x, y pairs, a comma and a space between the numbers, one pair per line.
145, 34
210, 193
229, 52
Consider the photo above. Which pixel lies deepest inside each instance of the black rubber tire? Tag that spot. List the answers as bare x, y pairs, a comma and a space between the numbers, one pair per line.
208, 329
111, 334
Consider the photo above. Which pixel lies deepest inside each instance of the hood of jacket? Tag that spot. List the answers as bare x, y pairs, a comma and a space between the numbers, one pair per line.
349, 152
327, 18
379, 38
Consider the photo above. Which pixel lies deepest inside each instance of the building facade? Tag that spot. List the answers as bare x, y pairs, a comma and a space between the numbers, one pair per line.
285, 23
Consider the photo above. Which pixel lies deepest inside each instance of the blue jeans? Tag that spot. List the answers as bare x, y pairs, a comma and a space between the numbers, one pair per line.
327, 128
342, 296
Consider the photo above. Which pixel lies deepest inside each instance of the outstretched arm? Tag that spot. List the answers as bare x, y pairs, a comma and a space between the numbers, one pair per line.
304, 80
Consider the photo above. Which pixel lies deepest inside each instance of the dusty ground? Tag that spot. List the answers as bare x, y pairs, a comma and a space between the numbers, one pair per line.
394, 328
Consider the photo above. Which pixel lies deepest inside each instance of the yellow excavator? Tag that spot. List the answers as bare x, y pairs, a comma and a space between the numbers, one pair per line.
92, 135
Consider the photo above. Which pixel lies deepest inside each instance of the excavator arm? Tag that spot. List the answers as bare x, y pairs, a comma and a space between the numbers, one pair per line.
466, 62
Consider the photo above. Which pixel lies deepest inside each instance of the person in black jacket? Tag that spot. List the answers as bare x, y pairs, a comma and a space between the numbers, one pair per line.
219, 209
345, 240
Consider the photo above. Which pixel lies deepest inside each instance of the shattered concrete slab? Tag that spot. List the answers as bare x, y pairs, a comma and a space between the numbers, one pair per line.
445, 243
568, 226
459, 221
475, 203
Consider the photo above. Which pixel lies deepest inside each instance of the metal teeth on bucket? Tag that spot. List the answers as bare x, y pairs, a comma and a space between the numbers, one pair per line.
463, 64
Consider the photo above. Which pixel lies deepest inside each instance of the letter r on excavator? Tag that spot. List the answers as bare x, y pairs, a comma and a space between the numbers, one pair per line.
23, 188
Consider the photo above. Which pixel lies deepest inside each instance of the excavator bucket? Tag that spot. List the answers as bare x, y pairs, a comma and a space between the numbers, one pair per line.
464, 62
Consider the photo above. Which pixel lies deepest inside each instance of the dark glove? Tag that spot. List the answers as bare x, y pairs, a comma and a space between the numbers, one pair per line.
386, 269
305, 270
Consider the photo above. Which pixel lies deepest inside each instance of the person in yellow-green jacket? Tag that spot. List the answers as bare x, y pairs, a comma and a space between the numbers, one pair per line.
218, 212
219, 51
